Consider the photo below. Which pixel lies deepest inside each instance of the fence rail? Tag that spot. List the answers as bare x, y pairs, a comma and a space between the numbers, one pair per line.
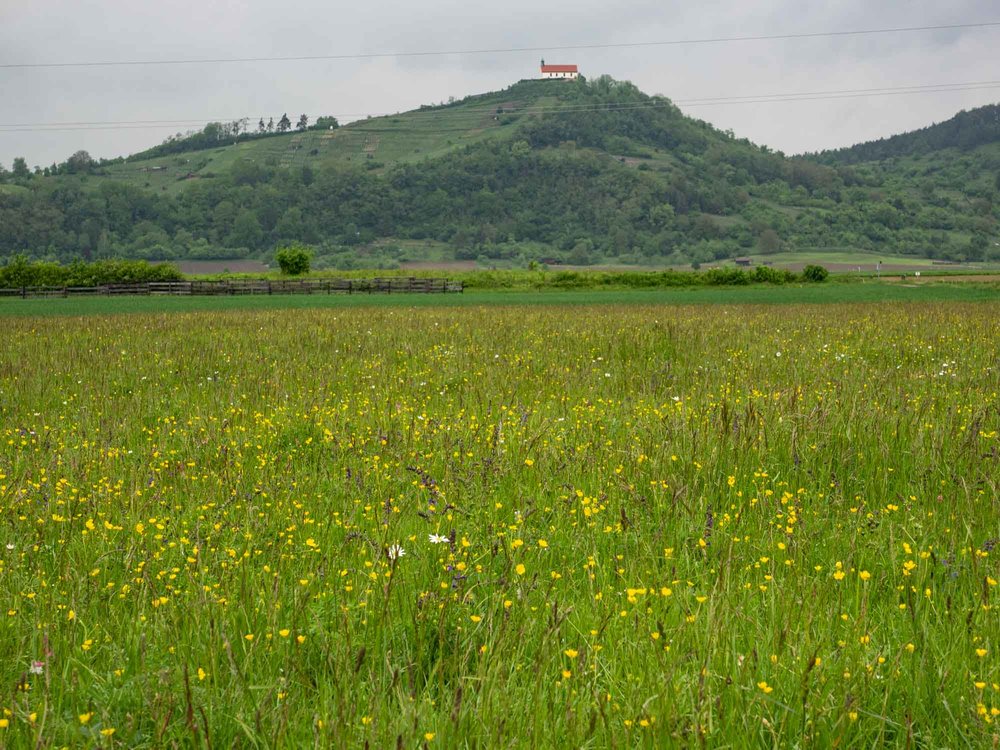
230, 287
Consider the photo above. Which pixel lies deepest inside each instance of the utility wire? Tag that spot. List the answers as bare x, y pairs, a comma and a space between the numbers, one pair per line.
479, 112
500, 50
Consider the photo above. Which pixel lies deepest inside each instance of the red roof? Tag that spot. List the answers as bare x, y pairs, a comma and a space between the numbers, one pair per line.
559, 69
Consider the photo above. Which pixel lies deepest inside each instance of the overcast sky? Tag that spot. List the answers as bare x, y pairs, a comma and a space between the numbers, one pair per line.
102, 30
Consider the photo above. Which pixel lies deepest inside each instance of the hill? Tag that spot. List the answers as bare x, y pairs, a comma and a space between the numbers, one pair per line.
965, 131
578, 172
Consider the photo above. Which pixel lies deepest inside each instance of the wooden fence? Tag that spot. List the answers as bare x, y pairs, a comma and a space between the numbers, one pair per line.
229, 287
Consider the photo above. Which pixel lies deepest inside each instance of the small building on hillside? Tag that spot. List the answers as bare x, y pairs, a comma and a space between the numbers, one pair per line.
564, 72
745, 262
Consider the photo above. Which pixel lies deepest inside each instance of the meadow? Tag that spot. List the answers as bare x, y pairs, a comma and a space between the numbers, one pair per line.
502, 526
938, 290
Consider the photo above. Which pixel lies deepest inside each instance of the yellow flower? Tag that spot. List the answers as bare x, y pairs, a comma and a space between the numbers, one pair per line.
572, 653
542, 543
566, 674
765, 687
85, 718
520, 569
300, 638
284, 632
4, 723
202, 674
249, 636
107, 732
429, 736
529, 462
864, 575
980, 652
475, 618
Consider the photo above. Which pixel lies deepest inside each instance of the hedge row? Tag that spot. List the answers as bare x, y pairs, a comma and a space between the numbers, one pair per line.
20, 272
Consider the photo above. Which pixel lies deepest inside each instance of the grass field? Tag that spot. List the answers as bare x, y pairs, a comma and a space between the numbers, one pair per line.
754, 294
601, 525
845, 261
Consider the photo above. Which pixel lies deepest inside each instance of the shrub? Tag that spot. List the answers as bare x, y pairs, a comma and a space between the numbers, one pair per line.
726, 277
815, 273
19, 271
293, 260
772, 275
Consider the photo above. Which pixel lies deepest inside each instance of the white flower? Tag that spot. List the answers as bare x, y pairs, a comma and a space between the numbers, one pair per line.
10, 546
395, 552
438, 539
37, 667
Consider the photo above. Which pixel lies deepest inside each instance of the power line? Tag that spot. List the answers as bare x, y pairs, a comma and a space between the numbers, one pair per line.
479, 112
502, 50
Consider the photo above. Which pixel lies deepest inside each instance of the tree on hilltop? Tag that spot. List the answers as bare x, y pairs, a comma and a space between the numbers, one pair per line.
80, 163
326, 122
20, 169
284, 123
303, 122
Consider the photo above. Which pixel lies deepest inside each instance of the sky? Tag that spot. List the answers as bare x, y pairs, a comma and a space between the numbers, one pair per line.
62, 31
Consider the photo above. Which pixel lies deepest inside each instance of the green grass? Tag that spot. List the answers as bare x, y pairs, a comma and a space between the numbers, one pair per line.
658, 525
757, 294
856, 258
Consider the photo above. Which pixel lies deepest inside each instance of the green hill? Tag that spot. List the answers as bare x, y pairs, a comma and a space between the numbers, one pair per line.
964, 132
578, 172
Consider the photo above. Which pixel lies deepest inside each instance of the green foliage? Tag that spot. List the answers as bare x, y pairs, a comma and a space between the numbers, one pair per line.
20, 272
20, 170
325, 122
768, 275
293, 260
815, 273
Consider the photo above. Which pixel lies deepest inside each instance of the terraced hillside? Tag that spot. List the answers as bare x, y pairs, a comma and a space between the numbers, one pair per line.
373, 143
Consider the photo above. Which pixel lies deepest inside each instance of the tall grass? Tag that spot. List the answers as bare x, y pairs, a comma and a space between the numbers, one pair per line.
665, 526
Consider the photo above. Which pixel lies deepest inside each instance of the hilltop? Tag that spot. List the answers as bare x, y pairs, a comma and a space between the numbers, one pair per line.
578, 172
